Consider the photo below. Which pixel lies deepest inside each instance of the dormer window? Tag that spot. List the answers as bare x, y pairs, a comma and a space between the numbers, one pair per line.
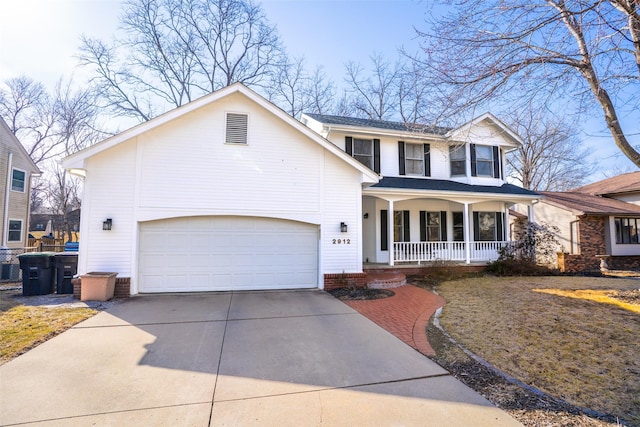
485, 161
458, 159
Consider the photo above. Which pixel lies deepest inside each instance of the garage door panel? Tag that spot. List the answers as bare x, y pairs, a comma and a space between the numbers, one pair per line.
227, 253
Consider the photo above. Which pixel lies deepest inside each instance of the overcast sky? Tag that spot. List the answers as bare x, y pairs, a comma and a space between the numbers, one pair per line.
39, 38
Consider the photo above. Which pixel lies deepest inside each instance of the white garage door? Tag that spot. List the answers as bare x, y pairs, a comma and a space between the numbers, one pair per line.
226, 253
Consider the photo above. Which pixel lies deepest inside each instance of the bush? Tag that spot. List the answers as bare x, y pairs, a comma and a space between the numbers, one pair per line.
518, 267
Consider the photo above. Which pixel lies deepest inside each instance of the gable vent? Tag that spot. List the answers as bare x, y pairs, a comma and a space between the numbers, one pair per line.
236, 128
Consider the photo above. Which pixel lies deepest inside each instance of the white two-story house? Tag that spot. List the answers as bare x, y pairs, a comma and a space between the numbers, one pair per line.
442, 193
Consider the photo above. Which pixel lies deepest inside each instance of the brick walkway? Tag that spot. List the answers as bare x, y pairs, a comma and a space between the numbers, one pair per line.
405, 314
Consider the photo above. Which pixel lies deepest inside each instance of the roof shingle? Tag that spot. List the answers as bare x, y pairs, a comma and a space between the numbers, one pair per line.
590, 204
625, 183
445, 185
378, 124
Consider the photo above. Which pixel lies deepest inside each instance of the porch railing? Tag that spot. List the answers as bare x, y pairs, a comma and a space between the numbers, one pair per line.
446, 251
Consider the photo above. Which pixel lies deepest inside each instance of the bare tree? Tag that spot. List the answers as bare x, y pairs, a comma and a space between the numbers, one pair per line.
174, 51
552, 50
62, 192
376, 95
551, 157
321, 92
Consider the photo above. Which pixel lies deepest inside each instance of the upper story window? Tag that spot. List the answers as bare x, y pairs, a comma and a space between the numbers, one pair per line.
458, 159
15, 230
485, 161
237, 128
414, 159
366, 151
18, 180
627, 230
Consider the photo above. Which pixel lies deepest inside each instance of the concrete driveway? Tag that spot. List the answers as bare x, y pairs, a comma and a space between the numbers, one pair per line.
293, 358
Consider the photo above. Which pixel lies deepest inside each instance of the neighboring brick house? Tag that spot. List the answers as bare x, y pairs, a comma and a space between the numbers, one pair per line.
592, 228
16, 170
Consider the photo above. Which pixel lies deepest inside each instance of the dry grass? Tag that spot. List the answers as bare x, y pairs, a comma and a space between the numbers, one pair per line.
22, 327
583, 351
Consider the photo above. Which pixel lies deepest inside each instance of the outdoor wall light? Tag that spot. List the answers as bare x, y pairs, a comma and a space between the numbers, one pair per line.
106, 225
366, 215
343, 227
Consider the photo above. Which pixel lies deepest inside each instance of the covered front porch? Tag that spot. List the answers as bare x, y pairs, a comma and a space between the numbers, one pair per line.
405, 226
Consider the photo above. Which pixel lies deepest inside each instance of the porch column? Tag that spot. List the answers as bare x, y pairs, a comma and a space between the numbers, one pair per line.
390, 232
506, 225
467, 234
530, 213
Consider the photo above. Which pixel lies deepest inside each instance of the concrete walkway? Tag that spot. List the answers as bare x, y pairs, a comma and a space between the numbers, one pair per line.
405, 315
295, 358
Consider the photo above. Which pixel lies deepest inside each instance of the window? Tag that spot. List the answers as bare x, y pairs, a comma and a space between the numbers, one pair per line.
485, 161
458, 227
15, 230
433, 226
236, 131
414, 159
401, 231
488, 226
366, 151
363, 151
627, 230
458, 160
18, 178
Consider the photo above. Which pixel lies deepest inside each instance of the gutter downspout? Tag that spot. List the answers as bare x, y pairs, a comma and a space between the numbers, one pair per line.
5, 216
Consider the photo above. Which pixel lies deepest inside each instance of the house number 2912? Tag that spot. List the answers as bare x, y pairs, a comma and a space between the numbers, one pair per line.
341, 241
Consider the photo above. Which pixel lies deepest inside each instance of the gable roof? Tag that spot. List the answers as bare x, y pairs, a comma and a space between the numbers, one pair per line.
451, 186
4, 127
77, 160
587, 204
625, 183
354, 123
378, 124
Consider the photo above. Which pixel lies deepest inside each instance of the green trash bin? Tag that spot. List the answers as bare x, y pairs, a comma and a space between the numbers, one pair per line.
66, 268
37, 273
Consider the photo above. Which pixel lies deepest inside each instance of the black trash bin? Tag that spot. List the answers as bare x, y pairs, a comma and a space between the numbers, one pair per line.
66, 267
37, 273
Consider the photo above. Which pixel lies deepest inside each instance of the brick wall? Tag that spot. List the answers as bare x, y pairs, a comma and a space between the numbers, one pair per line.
592, 243
121, 290
341, 280
629, 262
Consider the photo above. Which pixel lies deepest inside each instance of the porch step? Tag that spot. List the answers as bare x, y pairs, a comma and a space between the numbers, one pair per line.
385, 280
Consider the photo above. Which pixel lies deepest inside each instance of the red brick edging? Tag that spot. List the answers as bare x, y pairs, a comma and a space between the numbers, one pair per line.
405, 315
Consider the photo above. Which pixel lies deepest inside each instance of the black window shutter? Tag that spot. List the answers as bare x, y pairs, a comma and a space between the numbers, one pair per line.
384, 230
348, 145
496, 163
500, 226
443, 226
474, 167
476, 227
427, 160
406, 231
401, 157
376, 155
423, 226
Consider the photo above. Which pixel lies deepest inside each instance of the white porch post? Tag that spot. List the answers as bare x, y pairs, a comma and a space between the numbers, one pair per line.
467, 234
530, 213
506, 225
390, 232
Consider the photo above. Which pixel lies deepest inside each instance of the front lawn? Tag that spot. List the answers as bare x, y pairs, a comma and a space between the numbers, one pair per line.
581, 350
24, 327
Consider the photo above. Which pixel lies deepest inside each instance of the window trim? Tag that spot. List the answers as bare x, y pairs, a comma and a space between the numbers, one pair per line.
420, 158
370, 156
9, 230
24, 182
230, 140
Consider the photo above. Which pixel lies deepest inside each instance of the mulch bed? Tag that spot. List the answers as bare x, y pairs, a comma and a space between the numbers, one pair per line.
360, 293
